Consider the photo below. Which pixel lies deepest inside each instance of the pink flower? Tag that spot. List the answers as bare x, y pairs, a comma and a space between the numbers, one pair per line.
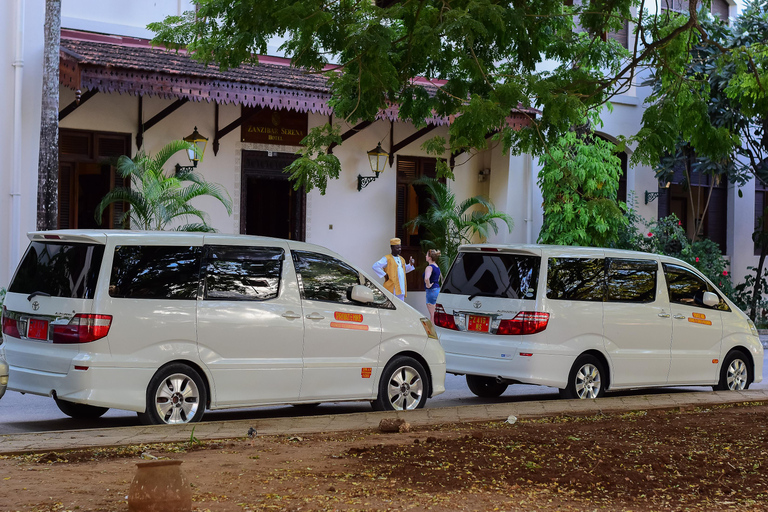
650, 234
679, 223
725, 272
697, 259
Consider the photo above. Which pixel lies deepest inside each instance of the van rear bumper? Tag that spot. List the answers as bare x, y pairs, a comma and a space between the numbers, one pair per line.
115, 388
543, 369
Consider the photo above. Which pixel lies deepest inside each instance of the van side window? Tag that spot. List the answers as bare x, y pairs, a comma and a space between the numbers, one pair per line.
242, 273
327, 279
155, 272
576, 279
688, 289
492, 274
631, 280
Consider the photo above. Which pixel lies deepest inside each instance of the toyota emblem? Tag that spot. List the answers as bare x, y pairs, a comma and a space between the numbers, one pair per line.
35, 305
477, 304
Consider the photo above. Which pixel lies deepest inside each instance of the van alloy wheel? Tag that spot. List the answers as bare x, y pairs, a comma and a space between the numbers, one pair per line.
587, 379
177, 399
735, 374
176, 394
403, 386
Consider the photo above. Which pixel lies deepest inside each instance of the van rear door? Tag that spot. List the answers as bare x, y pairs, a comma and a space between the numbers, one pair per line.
54, 283
485, 287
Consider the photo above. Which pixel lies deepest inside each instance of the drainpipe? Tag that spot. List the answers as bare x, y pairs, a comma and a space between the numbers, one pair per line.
528, 169
18, 73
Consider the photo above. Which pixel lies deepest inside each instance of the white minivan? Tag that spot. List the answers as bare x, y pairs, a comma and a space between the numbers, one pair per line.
169, 324
586, 320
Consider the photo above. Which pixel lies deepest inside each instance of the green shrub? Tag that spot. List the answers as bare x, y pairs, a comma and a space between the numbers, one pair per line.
742, 297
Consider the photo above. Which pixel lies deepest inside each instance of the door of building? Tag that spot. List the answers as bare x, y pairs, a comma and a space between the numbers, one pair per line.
269, 205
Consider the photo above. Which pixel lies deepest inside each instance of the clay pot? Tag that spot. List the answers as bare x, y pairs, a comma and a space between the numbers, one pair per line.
159, 486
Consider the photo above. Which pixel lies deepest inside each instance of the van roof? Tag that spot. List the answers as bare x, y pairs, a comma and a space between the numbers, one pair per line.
100, 235
566, 250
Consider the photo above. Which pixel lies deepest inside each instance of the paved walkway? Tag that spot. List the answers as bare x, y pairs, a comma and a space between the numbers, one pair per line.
120, 436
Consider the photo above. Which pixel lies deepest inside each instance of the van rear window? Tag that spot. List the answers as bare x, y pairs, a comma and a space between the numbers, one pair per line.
59, 270
512, 276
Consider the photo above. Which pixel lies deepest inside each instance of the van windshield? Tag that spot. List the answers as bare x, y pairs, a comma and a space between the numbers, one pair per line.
512, 276
59, 270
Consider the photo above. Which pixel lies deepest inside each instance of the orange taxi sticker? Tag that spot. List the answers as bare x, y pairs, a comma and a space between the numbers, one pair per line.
699, 318
344, 325
348, 317
366, 373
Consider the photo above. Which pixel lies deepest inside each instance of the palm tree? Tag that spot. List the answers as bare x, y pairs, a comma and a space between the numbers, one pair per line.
157, 200
448, 225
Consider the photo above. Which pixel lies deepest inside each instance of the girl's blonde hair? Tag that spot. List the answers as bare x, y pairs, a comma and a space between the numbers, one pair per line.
433, 254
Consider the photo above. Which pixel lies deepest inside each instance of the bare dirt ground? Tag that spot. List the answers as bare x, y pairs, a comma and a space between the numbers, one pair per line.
697, 459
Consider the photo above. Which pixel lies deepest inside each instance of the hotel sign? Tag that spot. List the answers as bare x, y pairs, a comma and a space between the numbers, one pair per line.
267, 126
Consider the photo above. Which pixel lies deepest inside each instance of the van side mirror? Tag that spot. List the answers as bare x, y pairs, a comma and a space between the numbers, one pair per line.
360, 293
710, 299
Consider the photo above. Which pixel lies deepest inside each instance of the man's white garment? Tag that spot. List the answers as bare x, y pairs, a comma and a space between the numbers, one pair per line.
380, 265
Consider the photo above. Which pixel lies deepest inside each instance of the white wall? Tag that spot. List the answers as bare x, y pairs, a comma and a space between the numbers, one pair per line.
21, 33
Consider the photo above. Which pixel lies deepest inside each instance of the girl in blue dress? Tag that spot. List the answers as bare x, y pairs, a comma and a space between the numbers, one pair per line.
432, 281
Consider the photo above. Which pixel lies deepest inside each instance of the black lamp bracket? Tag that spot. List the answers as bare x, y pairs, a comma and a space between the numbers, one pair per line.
363, 181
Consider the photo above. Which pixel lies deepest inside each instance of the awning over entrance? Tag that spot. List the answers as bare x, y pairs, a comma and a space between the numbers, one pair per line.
114, 64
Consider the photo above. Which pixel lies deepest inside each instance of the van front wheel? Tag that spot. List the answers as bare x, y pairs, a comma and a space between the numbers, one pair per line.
485, 387
586, 379
734, 374
403, 386
176, 394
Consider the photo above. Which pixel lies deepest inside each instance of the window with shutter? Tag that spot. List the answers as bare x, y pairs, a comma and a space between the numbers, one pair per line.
761, 195
86, 174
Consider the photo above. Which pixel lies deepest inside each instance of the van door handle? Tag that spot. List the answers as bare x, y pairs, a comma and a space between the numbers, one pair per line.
679, 316
315, 316
291, 315
664, 314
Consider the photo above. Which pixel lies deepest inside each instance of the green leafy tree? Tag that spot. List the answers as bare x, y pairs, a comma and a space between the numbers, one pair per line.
157, 200
448, 223
709, 108
579, 182
486, 59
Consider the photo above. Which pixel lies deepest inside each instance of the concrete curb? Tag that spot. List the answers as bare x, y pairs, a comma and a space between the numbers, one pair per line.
123, 436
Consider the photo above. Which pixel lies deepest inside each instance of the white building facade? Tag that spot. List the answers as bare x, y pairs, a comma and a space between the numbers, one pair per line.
103, 45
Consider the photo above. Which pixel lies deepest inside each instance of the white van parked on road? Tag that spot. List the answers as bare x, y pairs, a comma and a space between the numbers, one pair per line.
169, 324
587, 320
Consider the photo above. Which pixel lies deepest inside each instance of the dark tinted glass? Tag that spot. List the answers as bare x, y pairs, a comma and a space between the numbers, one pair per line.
243, 273
687, 288
576, 279
489, 274
155, 272
59, 270
327, 279
631, 280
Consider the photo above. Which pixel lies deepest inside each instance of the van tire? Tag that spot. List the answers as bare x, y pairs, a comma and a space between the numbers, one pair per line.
80, 411
404, 386
175, 395
485, 387
586, 380
735, 374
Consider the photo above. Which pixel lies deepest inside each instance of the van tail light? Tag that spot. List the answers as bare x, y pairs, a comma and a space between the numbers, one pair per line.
443, 319
525, 322
10, 327
82, 328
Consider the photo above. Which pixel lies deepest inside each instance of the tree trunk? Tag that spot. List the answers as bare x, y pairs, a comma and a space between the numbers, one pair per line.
48, 162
